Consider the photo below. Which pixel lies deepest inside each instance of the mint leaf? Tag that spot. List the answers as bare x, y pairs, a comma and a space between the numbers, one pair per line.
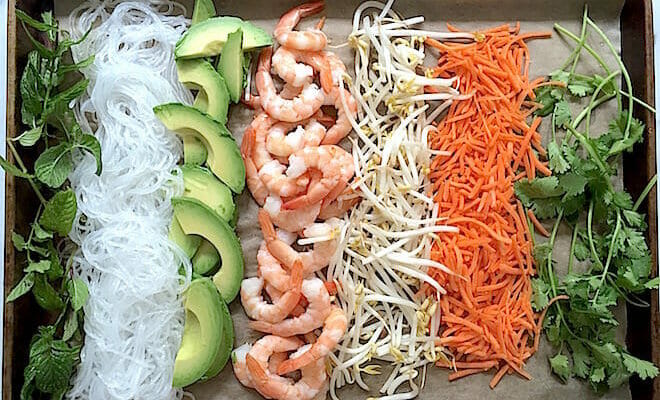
49, 23
18, 241
40, 234
11, 169
92, 146
45, 295
32, 89
70, 326
39, 267
21, 288
77, 66
59, 213
78, 293
559, 365
63, 98
31, 136
54, 165
642, 368
52, 361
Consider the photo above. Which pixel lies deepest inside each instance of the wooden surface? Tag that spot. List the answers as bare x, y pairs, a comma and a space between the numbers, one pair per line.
643, 338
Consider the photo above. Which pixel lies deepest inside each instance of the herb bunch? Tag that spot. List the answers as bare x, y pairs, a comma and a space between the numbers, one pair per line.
607, 227
53, 131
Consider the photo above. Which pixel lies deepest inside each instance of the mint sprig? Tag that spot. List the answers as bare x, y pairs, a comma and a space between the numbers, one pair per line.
51, 129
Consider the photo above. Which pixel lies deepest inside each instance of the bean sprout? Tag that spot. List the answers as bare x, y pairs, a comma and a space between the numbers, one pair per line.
386, 241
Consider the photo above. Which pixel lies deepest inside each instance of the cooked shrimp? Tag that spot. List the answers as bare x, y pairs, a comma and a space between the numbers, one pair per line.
318, 309
339, 206
283, 140
312, 260
253, 181
257, 308
334, 328
271, 270
312, 381
342, 126
290, 91
240, 368
297, 67
311, 40
291, 220
333, 163
336, 66
275, 360
300, 107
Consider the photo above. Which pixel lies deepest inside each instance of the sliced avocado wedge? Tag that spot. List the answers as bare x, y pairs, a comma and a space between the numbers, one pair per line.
202, 332
187, 243
207, 38
199, 183
224, 158
225, 347
231, 64
200, 75
203, 10
194, 152
197, 219
206, 260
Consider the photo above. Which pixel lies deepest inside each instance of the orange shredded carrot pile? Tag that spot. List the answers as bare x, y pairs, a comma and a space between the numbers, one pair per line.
487, 318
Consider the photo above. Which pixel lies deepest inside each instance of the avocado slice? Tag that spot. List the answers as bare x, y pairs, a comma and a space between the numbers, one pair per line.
194, 152
187, 243
203, 10
202, 332
200, 75
231, 64
199, 183
207, 38
206, 259
197, 219
226, 345
224, 158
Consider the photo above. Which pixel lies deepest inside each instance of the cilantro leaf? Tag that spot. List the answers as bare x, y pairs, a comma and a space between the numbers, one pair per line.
59, 213
642, 368
556, 159
559, 365
541, 294
562, 114
547, 96
572, 183
539, 188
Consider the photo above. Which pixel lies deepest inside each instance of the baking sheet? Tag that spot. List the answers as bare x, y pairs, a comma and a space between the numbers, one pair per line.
547, 55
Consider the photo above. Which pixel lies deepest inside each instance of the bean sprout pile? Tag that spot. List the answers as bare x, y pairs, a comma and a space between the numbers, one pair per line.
134, 316
386, 241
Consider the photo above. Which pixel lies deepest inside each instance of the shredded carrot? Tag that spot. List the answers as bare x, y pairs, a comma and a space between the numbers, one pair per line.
537, 224
487, 317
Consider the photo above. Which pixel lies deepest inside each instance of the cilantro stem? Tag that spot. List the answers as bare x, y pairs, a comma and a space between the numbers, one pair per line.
641, 303
571, 252
587, 110
588, 48
590, 237
645, 192
551, 242
583, 37
600, 87
591, 150
624, 71
617, 227
19, 160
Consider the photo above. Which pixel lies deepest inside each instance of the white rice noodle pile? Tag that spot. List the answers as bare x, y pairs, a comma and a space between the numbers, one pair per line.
386, 241
134, 316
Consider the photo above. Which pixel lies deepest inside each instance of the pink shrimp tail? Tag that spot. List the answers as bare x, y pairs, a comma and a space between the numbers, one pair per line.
267, 227
306, 9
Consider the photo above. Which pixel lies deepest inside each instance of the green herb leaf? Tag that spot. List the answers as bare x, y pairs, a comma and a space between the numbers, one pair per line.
18, 241
572, 183
70, 326
54, 165
643, 369
556, 159
21, 288
64, 97
541, 291
77, 66
78, 293
11, 169
52, 360
539, 188
39, 267
92, 146
59, 213
47, 25
559, 365
45, 295
40, 234
562, 114
31, 136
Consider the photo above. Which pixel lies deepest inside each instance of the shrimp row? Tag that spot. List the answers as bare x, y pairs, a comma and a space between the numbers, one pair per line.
299, 175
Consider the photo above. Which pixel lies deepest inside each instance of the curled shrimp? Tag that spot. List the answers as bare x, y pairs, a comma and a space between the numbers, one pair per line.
297, 67
257, 308
291, 220
340, 205
334, 165
312, 381
334, 328
317, 310
240, 368
252, 179
313, 260
271, 270
310, 40
299, 108
342, 127
283, 140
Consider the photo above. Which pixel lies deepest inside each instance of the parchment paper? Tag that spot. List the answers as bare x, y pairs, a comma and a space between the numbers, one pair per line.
547, 55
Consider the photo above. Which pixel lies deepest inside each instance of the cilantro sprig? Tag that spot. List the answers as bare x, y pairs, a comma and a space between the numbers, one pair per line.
609, 259
47, 87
